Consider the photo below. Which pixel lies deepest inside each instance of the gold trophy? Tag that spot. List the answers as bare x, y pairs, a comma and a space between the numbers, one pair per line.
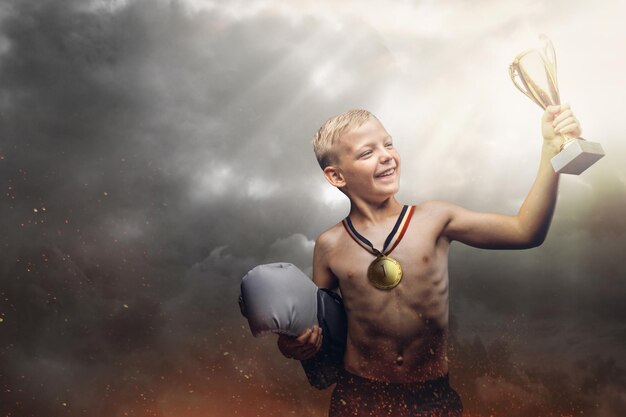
534, 73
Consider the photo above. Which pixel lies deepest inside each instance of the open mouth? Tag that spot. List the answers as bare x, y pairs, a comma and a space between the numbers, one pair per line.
388, 173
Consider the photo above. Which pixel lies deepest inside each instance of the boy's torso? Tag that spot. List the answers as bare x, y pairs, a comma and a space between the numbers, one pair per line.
397, 335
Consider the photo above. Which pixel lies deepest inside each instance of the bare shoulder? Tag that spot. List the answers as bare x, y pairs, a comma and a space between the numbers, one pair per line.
328, 240
439, 209
438, 215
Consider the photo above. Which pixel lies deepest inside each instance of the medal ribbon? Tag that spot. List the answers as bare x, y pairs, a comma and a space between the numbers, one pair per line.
392, 240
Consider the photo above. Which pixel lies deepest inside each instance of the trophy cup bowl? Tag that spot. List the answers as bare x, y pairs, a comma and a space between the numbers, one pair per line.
534, 73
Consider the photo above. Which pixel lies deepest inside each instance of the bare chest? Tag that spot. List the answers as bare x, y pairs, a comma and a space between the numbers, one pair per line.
423, 257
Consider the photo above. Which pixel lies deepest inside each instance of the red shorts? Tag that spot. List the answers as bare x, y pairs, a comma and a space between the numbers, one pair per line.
355, 395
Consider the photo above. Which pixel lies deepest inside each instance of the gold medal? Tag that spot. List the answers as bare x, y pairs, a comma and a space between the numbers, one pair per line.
384, 272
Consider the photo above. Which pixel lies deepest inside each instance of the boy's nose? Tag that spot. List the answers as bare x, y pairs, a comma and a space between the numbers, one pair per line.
385, 156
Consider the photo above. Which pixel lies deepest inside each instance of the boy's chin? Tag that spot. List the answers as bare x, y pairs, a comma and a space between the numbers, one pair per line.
388, 191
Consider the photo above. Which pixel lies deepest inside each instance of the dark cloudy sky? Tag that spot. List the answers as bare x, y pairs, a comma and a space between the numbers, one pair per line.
153, 151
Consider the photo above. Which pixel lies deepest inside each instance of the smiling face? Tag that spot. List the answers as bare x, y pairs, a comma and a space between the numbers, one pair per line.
368, 165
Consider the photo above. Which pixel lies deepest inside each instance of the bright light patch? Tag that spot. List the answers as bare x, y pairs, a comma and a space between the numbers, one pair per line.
96, 6
331, 196
330, 80
321, 74
215, 181
5, 45
125, 226
259, 188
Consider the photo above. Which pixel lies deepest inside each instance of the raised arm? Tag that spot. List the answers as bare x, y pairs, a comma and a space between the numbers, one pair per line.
530, 226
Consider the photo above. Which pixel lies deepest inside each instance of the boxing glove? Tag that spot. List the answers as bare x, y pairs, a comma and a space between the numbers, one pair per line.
279, 298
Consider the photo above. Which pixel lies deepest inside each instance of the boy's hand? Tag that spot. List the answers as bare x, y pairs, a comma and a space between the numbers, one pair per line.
558, 121
304, 346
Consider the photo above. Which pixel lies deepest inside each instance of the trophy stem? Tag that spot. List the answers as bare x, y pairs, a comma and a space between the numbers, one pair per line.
568, 141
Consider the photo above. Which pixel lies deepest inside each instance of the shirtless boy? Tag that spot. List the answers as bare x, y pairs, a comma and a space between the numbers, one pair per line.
396, 354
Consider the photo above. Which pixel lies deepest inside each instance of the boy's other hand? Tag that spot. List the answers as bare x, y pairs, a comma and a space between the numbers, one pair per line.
304, 346
558, 121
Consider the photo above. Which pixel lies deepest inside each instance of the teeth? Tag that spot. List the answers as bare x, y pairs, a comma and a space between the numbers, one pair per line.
389, 171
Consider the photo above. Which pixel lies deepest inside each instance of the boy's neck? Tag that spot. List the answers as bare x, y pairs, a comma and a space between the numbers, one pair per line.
367, 212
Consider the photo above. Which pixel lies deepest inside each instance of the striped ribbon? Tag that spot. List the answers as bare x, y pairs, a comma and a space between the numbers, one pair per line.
392, 240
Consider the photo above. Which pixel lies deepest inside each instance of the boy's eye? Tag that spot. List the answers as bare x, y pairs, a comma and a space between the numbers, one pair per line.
389, 145
366, 153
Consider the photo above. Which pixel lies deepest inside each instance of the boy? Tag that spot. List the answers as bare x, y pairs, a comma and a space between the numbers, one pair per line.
395, 361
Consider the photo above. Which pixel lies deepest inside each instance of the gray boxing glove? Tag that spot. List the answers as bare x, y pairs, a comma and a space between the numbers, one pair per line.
279, 298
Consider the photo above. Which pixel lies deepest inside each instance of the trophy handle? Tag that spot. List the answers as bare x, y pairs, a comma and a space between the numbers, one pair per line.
520, 83
550, 55
517, 80
549, 59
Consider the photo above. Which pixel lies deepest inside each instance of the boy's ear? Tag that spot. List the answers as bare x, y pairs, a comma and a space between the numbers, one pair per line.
334, 176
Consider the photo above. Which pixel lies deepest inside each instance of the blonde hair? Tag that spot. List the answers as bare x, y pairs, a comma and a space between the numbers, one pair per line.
328, 136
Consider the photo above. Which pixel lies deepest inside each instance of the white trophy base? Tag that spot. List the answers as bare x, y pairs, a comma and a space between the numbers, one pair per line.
577, 156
